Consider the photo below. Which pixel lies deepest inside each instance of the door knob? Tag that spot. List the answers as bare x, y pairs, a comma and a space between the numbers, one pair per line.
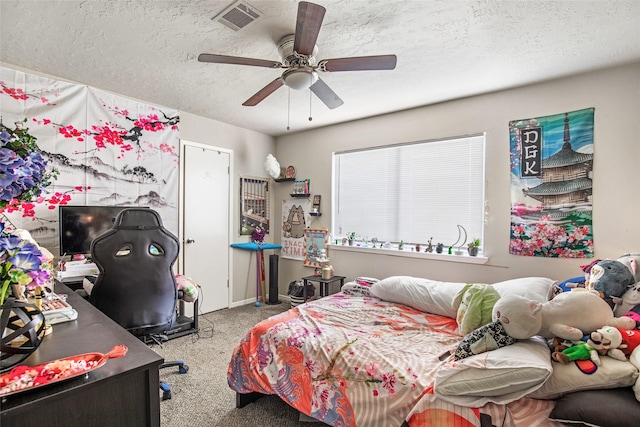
190, 241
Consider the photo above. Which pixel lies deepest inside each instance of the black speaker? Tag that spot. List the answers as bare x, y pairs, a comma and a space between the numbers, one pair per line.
273, 280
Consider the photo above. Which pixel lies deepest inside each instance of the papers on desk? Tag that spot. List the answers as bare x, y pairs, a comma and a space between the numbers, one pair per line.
77, 269
57, 310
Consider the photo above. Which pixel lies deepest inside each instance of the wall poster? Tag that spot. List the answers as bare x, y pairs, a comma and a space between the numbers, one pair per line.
315, 242
109, 150
295, 217
551, 185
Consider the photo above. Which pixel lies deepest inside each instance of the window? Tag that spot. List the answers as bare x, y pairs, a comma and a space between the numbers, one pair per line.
411, 192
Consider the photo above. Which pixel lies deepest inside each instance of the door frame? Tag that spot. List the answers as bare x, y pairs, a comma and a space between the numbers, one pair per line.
181, 216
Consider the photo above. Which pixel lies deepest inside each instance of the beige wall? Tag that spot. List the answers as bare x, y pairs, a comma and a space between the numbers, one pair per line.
615, 95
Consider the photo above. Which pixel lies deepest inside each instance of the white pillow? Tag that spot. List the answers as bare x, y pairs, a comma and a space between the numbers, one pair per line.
499, 376
567, 378
425, 295
533, 288
635, 361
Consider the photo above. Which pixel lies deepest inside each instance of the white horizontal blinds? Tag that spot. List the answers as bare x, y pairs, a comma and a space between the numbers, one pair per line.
412, 192
365, 193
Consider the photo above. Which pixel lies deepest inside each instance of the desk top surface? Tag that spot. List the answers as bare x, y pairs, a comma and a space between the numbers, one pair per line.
91, 332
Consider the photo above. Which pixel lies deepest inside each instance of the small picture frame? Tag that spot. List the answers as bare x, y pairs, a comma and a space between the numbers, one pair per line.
315, 241
315, 208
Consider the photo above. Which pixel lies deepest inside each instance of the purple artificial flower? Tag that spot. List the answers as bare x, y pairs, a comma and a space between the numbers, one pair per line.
40, 277
25, 261
5, 138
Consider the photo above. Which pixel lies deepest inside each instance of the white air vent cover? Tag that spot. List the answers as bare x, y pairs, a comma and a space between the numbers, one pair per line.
238, 15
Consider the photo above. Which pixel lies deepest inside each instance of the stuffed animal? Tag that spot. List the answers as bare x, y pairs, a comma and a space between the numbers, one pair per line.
630, 340
475, 306
495, 334
486, 338
611, 278
604, 341
632, 262
558, 344
188, 287
569, 315
630, 301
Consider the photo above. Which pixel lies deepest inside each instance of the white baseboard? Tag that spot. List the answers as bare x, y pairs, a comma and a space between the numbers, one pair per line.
284, 298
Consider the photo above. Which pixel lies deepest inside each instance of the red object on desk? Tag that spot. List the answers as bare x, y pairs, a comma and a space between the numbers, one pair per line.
55, 371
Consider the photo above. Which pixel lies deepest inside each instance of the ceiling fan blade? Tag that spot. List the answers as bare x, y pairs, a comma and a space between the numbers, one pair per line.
326, 95
359, 63
308, 25
224, 59
264, 92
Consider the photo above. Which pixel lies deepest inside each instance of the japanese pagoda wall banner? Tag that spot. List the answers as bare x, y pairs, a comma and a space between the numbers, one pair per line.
109, 150
551, 185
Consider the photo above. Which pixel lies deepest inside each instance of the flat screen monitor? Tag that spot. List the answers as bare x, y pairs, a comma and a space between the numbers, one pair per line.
79, 225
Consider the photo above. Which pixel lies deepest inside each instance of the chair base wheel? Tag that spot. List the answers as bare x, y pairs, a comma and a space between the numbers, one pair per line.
166, 391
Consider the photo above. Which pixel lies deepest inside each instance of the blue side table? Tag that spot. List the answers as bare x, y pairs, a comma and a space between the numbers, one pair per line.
258, 248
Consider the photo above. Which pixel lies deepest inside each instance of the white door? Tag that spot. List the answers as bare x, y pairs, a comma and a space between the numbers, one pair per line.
205, 245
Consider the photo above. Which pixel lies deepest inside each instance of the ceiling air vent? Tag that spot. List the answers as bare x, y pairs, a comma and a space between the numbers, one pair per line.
238, 15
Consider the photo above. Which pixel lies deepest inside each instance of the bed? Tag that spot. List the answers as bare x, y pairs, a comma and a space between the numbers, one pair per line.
383, 357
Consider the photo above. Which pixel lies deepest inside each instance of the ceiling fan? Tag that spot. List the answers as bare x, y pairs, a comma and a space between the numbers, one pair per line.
298, 59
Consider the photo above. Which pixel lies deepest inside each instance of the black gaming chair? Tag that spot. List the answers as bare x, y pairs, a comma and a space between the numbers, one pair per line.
136, 286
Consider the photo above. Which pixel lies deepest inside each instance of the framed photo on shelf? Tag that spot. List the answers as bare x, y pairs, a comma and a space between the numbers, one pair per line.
315, 241
316, 204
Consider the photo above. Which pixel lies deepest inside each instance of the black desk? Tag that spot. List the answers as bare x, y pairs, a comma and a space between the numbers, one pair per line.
124, 392
324, 283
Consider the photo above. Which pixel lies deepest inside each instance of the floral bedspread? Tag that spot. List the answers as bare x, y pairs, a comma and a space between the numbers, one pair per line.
348, 361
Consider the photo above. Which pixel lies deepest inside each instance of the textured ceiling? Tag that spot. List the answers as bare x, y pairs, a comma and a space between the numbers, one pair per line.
148, 49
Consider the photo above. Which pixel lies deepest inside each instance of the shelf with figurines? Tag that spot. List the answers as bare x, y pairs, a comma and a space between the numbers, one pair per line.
301, 188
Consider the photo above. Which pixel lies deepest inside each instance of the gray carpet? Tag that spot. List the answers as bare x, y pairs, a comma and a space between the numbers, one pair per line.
202, 397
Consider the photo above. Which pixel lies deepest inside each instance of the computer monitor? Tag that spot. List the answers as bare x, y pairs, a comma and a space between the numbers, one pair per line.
79, 225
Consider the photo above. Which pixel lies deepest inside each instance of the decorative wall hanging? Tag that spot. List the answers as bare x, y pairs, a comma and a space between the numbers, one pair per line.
316, 245
254, 204
295, 218
551, 185
109, 150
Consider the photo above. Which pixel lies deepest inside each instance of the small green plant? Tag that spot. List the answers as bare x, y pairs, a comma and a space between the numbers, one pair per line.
351, 235
475, 243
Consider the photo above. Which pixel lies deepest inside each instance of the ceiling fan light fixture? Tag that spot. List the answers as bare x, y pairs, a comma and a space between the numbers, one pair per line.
300, 78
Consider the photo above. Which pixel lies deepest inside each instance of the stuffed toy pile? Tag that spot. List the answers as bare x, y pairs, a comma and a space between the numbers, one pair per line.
605, 341
569, 315
612, 278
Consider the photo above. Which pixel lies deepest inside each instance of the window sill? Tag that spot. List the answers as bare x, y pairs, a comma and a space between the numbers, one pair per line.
411, 254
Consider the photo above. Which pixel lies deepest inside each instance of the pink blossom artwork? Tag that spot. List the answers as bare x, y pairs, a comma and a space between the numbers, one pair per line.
109, 150
551, 185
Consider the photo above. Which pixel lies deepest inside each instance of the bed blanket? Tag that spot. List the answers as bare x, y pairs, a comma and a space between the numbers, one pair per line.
346, 360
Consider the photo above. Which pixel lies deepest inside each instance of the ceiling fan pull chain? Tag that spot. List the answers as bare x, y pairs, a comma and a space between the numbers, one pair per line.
289, 110
310, 118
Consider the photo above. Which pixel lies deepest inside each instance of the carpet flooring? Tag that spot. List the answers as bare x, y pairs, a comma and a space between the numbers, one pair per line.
201, 397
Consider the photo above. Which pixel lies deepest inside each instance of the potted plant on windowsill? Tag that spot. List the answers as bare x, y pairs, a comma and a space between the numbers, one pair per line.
351, 237
473, 247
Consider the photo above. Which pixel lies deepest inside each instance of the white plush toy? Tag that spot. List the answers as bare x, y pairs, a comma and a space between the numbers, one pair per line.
629, 300
272, 167
632, 262
570, 315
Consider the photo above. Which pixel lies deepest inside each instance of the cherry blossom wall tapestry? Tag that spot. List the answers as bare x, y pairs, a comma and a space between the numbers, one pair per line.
551, 185
109, 150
